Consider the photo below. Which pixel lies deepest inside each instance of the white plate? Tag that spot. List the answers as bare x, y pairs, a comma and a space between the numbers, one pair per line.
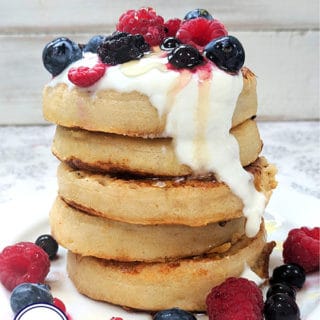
287, 209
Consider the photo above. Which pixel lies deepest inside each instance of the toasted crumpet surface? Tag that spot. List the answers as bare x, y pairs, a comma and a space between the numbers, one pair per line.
187, 201
182, 283
104, 238
103, 152
125, 113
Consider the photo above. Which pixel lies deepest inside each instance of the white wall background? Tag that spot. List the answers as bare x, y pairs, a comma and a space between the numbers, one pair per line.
281, 39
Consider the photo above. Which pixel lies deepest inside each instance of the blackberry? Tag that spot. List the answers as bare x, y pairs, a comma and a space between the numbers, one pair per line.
59, 53
290, 274
170, 43
48, 244
93, 44
226, 52
174, 314
198, 13
185, 56
29, 293
281, 307
121, 47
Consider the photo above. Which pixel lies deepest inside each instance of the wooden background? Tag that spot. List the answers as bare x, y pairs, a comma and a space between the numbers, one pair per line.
281, 39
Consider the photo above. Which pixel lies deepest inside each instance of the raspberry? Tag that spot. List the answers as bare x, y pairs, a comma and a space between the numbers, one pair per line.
145, 22
200, 31
172, 26
23, 262
59, 304
302, 247
85, 76
237, 299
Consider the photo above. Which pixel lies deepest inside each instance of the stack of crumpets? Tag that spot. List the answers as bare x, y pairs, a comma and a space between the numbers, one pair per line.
161, 186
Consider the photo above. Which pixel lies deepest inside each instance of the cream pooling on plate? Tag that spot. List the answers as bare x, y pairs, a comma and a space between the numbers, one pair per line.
198, 107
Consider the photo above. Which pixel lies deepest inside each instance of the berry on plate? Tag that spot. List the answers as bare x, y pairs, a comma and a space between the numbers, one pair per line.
144, 21
23, 262
226, 52
85, 76
237, 299
59, 53
59, 304
290, 274
48, 244
26, 294
199, 32
302, 247
174, 314
281, 307
281, 288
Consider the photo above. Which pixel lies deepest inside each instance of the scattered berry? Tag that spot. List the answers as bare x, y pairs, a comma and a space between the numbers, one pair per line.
59, 304
23, 262
199, 32
226, 52
174, 314
48, 244
39, 310
196, 13
26, 294
121, 47
281, 288
235, 298
85, 76
172, 26
302, 247
144, 21
93, 44
185, 56
281, 307
60, 53
169, 44
290, 274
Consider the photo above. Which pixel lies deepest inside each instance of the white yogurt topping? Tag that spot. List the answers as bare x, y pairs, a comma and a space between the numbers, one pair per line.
199, 110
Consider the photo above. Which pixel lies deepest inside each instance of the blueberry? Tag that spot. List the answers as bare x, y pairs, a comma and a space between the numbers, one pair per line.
59, 53
226, 52
185, 56
29, 293
290, 274
93, 44
281, 288
174, 314
170, 43
281, 307
48, 244
198, 13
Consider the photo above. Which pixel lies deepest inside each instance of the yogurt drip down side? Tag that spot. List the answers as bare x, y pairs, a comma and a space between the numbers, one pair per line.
198, 107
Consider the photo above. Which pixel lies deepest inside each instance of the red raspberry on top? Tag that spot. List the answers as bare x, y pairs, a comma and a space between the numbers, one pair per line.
85, 76
23, 262
236, 299
302, 247
144, 21
172, 26
200, 31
